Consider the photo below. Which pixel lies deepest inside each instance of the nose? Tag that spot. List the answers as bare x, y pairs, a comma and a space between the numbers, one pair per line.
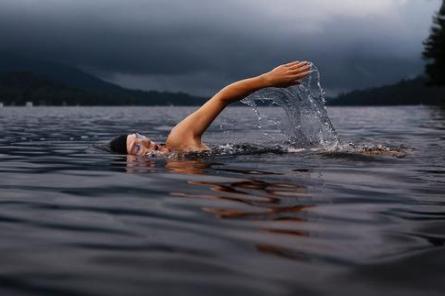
150, 144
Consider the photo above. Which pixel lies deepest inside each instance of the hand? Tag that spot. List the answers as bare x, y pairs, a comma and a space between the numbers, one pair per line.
287, 75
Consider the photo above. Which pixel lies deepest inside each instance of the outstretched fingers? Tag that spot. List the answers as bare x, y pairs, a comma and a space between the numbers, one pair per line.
300, 67
291, 63
296, 64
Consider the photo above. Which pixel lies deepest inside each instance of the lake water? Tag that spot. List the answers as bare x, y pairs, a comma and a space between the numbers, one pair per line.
254, 220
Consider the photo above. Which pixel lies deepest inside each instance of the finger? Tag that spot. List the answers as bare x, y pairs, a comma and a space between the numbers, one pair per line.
300, 69
291, 63
301, 75
297, 63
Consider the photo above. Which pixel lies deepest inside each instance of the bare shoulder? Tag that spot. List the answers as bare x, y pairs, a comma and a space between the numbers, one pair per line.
181, 140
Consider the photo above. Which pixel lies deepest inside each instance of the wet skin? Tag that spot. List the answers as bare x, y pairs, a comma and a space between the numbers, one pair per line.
186, 135
138, 144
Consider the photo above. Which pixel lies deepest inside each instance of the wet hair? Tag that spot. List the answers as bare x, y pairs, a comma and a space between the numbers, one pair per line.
119, 144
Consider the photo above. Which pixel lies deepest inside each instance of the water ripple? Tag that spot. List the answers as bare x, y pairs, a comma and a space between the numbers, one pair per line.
255, 218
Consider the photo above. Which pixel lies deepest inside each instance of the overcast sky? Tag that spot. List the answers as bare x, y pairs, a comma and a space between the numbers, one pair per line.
198, 46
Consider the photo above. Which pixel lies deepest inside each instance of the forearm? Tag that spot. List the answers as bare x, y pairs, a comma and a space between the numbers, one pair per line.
240, 89
193, 126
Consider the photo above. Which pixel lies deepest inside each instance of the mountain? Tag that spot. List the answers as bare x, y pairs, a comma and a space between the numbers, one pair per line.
406, 92
25, 79
53, 71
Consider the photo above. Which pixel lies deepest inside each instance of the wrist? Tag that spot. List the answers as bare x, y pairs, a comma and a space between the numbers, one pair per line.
264, 80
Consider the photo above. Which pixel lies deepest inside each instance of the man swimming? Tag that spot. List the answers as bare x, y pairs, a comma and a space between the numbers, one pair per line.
186, 135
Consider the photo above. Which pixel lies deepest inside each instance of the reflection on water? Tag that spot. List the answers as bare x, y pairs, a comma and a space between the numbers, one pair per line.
267, 198
251, 219
272, 201
186, 166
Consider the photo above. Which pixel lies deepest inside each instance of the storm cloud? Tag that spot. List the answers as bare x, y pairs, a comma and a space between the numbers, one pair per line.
197, 46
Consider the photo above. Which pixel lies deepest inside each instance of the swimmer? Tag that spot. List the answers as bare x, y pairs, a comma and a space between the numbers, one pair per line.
186, 135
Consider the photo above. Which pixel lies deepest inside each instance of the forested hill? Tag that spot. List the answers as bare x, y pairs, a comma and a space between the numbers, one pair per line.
406, 92
52, 71
46, 83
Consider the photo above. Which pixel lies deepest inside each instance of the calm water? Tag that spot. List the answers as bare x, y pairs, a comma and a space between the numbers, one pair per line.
75, 220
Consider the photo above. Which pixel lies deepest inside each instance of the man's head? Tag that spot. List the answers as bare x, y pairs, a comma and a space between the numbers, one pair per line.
119, 144
133, 144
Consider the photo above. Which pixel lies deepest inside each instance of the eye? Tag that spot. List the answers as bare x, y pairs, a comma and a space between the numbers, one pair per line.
137, 148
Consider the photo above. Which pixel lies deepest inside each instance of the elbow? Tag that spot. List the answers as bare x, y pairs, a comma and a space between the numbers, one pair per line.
221, 98
228, 95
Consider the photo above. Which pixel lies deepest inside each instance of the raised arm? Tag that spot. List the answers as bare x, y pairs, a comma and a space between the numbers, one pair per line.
186, 135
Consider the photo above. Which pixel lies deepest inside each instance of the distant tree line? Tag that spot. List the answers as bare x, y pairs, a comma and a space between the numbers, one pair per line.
428, 90
434, 52
406, 92
17, 88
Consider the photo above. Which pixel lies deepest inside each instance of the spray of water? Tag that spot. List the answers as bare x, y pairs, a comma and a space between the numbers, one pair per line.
307, 123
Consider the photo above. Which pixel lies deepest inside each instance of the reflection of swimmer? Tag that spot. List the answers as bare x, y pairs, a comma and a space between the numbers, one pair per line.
286, 204
270, 200
186, 135
137, 164
193, 167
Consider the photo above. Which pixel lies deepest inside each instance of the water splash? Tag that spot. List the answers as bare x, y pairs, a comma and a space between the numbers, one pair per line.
307, 123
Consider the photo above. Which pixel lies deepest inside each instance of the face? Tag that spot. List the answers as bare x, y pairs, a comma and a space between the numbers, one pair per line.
140, 145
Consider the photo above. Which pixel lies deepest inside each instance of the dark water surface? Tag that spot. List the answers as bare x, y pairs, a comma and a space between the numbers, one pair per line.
75, 220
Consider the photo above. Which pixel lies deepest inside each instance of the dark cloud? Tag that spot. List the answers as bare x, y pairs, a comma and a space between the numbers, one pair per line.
200, 45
